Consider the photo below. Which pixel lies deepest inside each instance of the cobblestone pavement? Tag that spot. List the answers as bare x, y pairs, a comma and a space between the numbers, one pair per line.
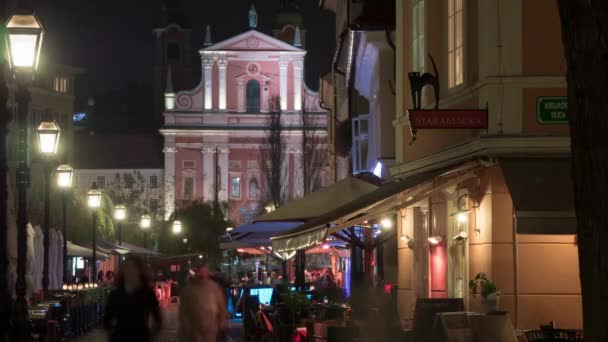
168, 333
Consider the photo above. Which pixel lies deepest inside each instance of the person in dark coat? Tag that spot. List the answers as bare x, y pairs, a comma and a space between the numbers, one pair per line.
132, 312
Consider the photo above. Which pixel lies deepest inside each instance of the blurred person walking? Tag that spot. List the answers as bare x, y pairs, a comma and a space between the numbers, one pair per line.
202, 313
132, 312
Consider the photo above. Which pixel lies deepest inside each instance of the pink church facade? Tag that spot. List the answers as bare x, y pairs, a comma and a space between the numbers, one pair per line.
213, 134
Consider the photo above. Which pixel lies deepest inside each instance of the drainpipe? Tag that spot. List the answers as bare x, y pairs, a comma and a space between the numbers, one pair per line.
516, 269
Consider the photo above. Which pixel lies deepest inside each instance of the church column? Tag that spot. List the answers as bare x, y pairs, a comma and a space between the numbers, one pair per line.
208, 173
240, 88
298, 67
283, 64
169, 150
222, 64
224, 152
298, 184
265, 104
208, 69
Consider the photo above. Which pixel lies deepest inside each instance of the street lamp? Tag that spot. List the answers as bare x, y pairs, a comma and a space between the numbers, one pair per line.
145, 224
94, 202
120, 213
48, 138
48, 141
65, 174
24, 39
177, 227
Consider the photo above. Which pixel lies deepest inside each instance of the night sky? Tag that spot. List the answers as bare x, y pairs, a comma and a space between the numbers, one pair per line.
112, 39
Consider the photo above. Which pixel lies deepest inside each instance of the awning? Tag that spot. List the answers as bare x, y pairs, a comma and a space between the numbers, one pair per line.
83, 252
255, 235
111, 248
386, 198
139, 250
325, 200
542, 192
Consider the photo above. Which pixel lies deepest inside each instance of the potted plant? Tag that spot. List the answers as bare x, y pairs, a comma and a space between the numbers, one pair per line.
487, 289
294, 306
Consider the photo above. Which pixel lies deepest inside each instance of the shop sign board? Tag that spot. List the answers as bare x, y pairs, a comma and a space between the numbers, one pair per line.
449, 119
552, 110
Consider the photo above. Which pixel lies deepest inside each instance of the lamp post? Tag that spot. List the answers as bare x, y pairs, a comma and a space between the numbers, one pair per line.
145, 224
120, 213
177, 227
94, 202
24, 38
65, 174
48, 140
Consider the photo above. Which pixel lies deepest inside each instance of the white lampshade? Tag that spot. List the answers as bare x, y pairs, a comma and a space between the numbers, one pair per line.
177, 227
48, 137
145, 222
65, 174
24, 39
120, 212
94, 197
386, 223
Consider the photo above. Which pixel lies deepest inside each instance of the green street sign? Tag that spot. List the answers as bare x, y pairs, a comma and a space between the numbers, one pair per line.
552, 109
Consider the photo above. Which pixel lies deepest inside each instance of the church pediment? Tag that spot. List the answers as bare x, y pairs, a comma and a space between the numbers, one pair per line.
251, 41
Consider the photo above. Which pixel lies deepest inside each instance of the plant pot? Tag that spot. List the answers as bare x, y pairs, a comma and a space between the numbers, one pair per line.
491, 303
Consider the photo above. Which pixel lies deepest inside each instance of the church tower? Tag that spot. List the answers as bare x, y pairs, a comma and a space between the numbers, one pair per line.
289, 21
172, 54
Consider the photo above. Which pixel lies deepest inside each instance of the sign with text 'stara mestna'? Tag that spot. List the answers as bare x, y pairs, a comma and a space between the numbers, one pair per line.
552, 109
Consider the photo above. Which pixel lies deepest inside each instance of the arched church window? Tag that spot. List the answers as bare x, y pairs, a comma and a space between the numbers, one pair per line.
254, 188
253, 96
173, 51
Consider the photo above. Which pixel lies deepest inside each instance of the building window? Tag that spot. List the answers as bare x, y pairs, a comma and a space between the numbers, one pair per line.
188, 188
129, 180
253, 96
101, 182
153, 182
360, 143
173, 52
61, 85
235, 187
418, 47
254, 188
455, 50
154, 204
189, 164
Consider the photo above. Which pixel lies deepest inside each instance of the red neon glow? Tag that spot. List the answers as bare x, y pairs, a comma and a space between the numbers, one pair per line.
240, 250
325, 246
388, 288
438, 266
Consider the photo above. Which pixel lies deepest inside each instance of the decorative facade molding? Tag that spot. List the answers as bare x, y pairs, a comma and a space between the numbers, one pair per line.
208, 149
223, 149
169, 149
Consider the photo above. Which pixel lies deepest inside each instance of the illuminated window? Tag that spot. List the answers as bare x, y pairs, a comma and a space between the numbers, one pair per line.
235, 187
61, 84
360, 143
455, 50
188, 188
418, 47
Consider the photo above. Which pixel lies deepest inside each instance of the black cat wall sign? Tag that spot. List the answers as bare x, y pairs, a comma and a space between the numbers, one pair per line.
418, 81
